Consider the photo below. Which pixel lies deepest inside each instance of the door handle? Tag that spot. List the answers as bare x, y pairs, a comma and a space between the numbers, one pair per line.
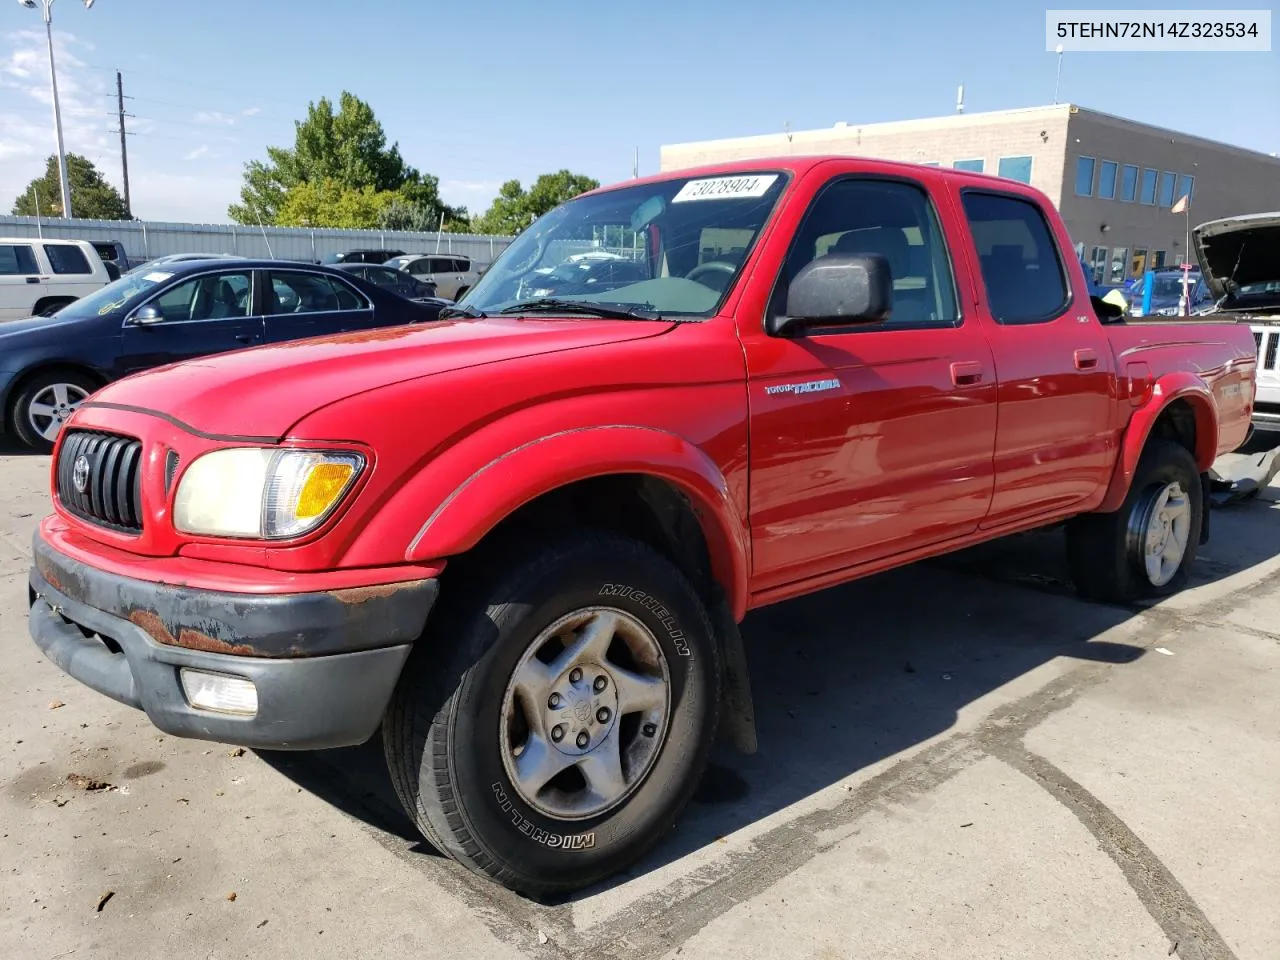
244, 337
33, 279
1086, 359
966, 373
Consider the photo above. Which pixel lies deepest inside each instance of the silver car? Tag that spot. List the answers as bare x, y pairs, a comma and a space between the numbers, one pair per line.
453, 275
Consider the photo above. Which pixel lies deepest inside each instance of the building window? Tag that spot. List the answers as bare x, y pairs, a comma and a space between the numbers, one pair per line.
1098, 263
1167, 182
1107, 171
1119, 260
1149, 185
1138, 265
1015, 168
1186, 186
1129, 184
973, 166
1157, 260
1085, 167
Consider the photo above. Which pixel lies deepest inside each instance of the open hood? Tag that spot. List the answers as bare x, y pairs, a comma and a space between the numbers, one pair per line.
1239, 251
263, 391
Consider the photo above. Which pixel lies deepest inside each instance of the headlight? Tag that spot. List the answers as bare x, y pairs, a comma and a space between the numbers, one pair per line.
262, 493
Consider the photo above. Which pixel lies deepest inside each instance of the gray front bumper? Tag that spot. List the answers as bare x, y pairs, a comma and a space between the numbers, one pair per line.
304, 702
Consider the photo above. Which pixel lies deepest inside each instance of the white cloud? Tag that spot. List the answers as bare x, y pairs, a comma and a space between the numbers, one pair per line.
214, 117
197, 153
250, 111
26, 121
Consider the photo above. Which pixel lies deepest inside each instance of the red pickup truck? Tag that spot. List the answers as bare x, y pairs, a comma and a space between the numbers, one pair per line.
519, 540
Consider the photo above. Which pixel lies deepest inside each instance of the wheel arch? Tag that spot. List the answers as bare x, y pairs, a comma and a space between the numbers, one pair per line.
9, 397
1182, 410
643, 481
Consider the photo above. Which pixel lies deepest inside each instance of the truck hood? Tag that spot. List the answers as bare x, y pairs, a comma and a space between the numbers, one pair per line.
1238, 251
262, 392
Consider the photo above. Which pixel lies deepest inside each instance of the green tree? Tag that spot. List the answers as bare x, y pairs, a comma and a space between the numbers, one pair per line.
514, 208
334, 153
92, 197
326, 203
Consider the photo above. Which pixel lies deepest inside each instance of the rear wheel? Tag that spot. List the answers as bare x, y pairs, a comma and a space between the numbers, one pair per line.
44, 403
51, 305
1146, 548
553, 725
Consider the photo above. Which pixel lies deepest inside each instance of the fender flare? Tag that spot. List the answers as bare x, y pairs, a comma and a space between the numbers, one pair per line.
1168, 389
540, 466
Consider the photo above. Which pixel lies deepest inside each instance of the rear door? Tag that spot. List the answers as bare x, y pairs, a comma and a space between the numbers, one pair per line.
206, 314
72, 273
869, 441
301, 304
21, 282
1055, 444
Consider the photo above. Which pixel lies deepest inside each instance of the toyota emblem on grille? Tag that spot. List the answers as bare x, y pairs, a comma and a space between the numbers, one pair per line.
80, 474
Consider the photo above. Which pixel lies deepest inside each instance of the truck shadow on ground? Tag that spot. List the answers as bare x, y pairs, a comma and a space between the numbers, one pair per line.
859, 673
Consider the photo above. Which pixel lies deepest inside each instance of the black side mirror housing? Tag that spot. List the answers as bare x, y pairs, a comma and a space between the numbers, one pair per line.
834, 291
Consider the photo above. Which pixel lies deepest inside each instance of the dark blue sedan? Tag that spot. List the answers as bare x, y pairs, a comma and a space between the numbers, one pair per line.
177, 311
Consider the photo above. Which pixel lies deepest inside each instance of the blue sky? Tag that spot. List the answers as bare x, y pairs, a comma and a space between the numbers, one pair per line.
478, 94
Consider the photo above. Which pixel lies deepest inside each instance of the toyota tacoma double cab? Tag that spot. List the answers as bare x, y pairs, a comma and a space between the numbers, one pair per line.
517, 542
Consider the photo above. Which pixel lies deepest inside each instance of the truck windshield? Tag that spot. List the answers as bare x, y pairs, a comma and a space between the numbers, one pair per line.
673, 248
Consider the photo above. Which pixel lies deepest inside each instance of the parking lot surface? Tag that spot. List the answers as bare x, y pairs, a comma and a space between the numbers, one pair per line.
958, 759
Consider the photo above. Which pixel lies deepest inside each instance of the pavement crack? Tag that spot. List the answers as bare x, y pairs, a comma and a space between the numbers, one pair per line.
1165, 899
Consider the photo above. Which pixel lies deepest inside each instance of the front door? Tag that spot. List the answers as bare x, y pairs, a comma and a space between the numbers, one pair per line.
1055, 442
871, 440
302, 304
210, 313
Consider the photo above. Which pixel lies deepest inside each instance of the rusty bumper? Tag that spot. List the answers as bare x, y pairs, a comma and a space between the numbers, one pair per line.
324, 664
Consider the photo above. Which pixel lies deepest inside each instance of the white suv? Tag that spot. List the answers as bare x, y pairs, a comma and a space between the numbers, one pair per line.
453, 275
38, 277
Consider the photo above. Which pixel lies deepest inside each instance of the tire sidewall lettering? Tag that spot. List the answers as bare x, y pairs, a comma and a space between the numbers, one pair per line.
654, 606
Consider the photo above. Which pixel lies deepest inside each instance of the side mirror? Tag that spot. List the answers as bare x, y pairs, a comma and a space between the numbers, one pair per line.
146, 315
837, 290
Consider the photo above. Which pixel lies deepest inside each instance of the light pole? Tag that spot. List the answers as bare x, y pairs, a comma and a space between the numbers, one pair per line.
1057, 80
46, 8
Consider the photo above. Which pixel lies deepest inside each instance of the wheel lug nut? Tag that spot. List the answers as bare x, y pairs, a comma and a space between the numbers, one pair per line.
557, 733
554, 701
583, 740
603, 714
600, 684
575, 675
650, 729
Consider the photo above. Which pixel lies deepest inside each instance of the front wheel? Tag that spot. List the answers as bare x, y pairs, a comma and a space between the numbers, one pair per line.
44, 403
552, 726
1146, 548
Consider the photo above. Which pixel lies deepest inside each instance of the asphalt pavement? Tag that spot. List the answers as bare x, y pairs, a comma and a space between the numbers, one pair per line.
959, 759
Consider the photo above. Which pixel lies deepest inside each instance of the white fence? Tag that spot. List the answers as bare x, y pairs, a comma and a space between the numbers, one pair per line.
143, 240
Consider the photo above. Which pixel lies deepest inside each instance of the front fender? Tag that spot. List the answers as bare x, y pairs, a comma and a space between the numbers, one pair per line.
1168, 389
501, 486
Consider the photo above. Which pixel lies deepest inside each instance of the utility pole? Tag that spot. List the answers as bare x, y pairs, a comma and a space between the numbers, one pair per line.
124, 150
635, 165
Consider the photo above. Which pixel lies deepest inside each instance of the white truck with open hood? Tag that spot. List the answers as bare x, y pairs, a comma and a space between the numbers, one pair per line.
1240, 261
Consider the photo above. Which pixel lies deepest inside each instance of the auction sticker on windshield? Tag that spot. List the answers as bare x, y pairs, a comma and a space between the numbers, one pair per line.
722, 188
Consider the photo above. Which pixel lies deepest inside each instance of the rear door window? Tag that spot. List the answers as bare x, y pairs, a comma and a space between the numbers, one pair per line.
1021, 267
310, 293
66, 259
17, 260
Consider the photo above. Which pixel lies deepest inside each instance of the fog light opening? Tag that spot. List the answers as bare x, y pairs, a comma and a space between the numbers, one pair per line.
219, 693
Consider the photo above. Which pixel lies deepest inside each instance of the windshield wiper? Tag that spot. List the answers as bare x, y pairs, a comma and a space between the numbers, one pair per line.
554, 305
466, 310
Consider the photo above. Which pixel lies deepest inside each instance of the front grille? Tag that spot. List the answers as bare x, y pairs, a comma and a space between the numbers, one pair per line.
112, 492
1273, 341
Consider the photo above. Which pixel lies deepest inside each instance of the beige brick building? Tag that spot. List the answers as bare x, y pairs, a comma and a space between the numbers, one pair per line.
1113, 180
